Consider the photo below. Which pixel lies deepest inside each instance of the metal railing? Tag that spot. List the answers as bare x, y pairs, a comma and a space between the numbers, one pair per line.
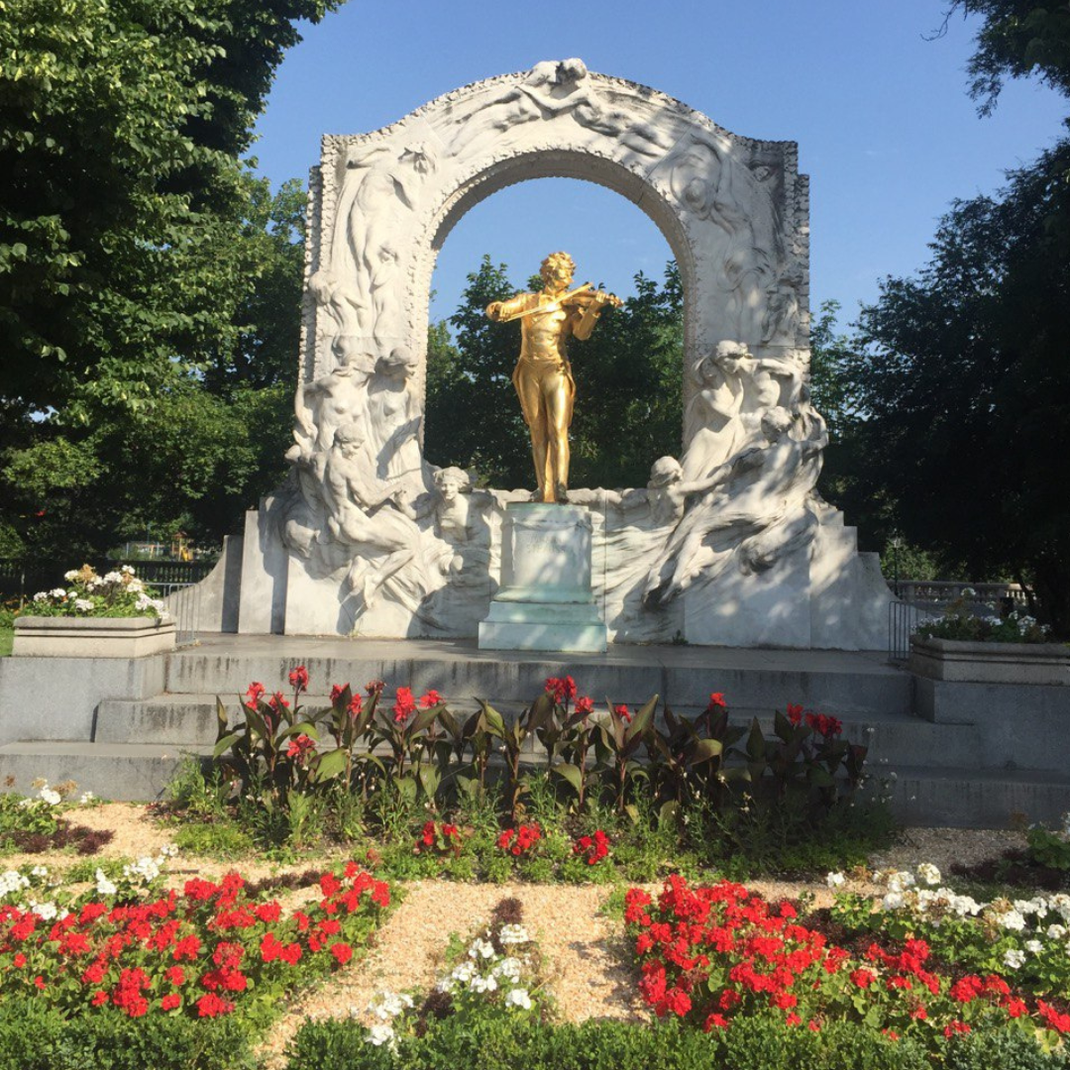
922, 600
22, 578
184, 605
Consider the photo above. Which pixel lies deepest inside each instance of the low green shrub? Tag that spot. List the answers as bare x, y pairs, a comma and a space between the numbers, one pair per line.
34, 1036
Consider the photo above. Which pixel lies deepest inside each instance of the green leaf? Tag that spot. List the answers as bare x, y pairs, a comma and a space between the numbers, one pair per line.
570, 773
329, 765
225, 744
704, 750
642, 720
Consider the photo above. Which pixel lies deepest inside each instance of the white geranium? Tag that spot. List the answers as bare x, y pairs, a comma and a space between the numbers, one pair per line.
1014, 959
513, 934
509, 969
483, 984
46, 794
71, 575
58, 593
1057, 932
835, 880
893, 901
105, 886
12, 881
386, 1006
1034, 947
86, 798
1009, 919
518, 997
481, 948
928, 874
83, 605
380, 1033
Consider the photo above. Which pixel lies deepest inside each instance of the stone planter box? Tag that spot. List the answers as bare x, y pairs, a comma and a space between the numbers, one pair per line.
991, 663
92, 637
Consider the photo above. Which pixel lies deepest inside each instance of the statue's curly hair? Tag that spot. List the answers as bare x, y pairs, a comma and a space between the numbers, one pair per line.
554, 258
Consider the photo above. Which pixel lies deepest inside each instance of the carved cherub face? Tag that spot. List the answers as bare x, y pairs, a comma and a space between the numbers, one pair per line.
450, 482
664, 471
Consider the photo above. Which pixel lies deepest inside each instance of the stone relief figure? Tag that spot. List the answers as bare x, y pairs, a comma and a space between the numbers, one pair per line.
709, 182
549, 90
395, 419
755, 503
353, 284
543, 375
782, 311
375, 520
322, 406
460, 523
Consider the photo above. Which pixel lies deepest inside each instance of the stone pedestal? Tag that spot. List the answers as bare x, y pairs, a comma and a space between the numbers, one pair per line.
545, 600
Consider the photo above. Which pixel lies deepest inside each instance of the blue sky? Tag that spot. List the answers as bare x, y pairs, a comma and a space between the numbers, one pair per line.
884, 124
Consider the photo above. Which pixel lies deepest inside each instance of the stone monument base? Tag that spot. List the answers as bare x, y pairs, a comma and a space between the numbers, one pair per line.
545, 601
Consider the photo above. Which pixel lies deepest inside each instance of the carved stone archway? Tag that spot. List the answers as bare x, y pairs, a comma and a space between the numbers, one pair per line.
735, 211
733, 546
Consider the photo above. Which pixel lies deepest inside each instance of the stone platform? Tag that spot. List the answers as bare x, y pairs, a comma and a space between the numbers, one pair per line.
126, 743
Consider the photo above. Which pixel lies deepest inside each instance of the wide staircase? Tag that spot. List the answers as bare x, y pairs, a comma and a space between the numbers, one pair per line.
934, 773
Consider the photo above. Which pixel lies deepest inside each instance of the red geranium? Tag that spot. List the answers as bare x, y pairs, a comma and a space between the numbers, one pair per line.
593, 848
521, 840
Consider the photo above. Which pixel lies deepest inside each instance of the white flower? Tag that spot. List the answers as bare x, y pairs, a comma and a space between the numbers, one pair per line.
513, 934
892, 901
86, 798
518, 997
483, 984
1034, 947
379, 1034
481, 948
509, 969
464, 973
928, 874
388, 1005
57, 593
1011, 919
41, 596
127, 570
83, 605
1056, 932
12, 881
53, 798
45, 911
835, 880
900, 881
104, 886
113, 577
1014, 959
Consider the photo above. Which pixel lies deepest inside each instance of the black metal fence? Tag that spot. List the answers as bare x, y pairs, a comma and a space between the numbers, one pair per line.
22, 578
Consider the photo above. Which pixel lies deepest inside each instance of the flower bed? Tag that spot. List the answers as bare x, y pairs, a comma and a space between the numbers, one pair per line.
210, 950
923, 963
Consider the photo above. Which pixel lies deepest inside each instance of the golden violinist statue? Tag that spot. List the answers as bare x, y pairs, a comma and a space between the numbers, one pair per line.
543, 377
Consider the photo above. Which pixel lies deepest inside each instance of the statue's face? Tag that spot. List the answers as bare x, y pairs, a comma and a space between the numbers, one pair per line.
557, 275
449, 489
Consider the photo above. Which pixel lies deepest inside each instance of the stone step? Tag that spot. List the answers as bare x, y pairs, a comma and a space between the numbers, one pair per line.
829, 681
126, 772
892, 739
937, 797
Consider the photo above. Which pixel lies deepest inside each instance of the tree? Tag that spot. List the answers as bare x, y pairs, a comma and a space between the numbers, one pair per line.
122, 197
1018, 38
629, 382
962, 379
149, 282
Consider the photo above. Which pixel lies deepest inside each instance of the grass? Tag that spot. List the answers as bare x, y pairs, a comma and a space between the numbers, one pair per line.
7, 637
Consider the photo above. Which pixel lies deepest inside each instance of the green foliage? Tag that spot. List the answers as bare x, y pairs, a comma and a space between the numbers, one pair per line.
34, 1036
964, 391
1018, 38
1048, 848
500, 1044
1009, 1049
149, 283
628, 383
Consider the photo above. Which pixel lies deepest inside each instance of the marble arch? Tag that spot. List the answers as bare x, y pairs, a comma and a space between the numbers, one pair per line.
729, 545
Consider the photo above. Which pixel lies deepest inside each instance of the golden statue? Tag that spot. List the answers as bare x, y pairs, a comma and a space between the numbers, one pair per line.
543, 377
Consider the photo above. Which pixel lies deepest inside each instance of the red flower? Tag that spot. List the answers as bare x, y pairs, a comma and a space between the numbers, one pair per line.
374, 687
278, 703
520, 840
563, 690
955, 1027
1054, 1020
356, 706
404, 705
824, 725
595, 847
211, 1005
300, 748
584, 705
623, 713
169, 1003
299, 678
337, 690
252, 696
342, 953
863, 978
432, 698
795, 713
717, 702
